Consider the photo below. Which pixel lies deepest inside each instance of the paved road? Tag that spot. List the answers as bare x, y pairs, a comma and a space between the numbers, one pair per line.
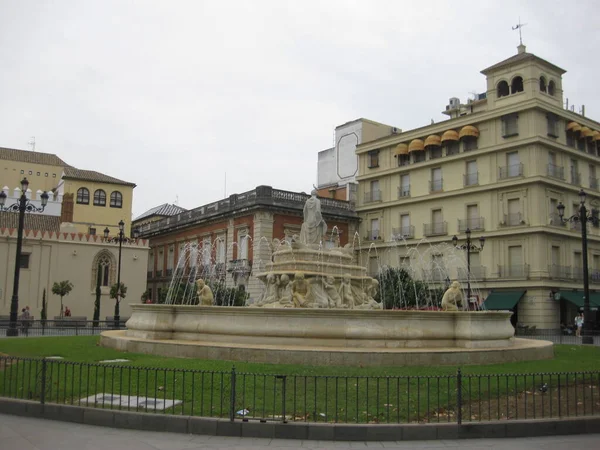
23, 433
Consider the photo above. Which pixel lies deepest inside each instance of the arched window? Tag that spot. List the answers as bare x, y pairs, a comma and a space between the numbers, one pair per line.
502, 89
551, 87
83, 196
103, 269
543, 84
516, 85
99, 198
116, 199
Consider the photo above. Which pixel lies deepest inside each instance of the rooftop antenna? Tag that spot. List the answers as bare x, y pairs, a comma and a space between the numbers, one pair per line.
177, 200
518, 27
32, 143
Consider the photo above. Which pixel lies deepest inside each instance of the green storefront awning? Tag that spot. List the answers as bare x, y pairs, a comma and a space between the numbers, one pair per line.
503, 299
576, 297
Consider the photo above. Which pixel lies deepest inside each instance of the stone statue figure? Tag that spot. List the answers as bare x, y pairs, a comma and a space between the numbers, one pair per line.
271, 294
346, 295
368, 298
204, 293
314, 227
285, 291
333, 295
300, 291
453, 297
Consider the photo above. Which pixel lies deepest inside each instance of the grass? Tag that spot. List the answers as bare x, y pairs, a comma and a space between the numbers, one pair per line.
307, 393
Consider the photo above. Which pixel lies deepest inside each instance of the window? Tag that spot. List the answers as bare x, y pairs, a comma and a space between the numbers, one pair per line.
374, 231
243, 246
516, 85
514, 164
452, 148
469, 143
555, 257
99, 198
551, 87
593, 179
373, 159
206, 252
38, 174
403, 160
104, 266
472, 176
514, 212
116, 200
473, 219
581, 143
170, 258
435, 151
575, 178
419, 156
24, 261
30, 172
543, 86
83, 196
404, 186
502, 89
92, 231
437, 221
436, 179
510, 125
515, 261
193, 251
405, 225
552, 121
375, 194
221, 251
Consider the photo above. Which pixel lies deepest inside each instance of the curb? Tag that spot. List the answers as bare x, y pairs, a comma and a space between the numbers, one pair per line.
305, 431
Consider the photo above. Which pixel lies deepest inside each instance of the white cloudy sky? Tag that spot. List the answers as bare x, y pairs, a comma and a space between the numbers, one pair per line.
174, 94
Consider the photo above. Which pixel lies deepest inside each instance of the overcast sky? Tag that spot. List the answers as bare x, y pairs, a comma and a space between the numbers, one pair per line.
172, 95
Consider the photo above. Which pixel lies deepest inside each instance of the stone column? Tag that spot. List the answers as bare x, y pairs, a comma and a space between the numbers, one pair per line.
229, 253
261, 250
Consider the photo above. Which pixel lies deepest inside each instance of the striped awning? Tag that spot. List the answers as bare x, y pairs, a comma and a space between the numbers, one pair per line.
450, 135
468, 130
416, 145
433, 140
401, 149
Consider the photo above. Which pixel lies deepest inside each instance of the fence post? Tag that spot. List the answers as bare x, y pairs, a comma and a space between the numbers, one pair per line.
232, 399
283, 389
43, 387
459, 396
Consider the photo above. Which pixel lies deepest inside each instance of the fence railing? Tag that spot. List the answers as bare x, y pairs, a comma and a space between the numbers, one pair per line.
232, 395
62, 327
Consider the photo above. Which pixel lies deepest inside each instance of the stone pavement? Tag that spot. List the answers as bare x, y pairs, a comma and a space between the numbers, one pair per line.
24, 433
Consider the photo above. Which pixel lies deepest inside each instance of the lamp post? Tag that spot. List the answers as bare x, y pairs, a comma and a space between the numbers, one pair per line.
583, 218
468, 246
120, 239
23, 205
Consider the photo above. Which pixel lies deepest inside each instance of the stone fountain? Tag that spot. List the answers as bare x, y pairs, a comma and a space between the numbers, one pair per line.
318, 308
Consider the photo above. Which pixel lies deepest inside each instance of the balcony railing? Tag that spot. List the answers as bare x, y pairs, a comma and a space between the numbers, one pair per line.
555, 171
149, 273
575, 226
577, 274
436, 185
477, 273
407, 232
169, 272
559, 272
576, 178
438, 274
471, 179
556, 220
595, 276
403, 191
373, 235
159, 273
473, 224
435, 229
514, 271
593, 182
512, 220
240, 266
515, 170
373, 196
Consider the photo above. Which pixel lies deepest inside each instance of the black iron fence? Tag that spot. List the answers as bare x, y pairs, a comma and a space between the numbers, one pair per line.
61, 327
456, 398
567, 336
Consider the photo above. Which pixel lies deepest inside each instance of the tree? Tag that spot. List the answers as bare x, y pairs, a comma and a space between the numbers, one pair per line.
44, 313
398, 290
121, 294
62, 288
98, 295
145, 296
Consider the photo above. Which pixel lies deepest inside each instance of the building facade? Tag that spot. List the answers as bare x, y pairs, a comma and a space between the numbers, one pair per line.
499, 167
232, 238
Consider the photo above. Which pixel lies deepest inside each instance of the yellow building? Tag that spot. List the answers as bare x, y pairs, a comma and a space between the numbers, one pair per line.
499, 167
91, 200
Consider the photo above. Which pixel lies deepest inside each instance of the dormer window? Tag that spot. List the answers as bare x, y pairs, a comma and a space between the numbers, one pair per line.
543, 85
503, 89
516, 85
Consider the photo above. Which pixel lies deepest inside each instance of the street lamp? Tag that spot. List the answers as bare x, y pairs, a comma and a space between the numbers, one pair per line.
582, 218
23, 205
120, 238
468, 246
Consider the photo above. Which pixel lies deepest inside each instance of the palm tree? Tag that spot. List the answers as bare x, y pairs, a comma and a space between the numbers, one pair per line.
62, 288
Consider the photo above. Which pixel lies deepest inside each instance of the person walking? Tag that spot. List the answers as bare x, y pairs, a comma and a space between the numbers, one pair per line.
25, 316
578, 324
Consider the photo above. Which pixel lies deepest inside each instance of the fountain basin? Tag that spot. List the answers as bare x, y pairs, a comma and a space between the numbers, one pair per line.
325, 336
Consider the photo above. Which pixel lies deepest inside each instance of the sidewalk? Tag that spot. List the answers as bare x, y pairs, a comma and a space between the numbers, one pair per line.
23, 433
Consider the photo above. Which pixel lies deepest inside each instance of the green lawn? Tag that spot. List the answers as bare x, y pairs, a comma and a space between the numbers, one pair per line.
311, 393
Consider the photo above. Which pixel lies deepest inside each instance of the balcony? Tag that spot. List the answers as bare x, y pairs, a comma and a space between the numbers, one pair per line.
404, 191
577, 274
515, 170
556, 221
159, 273
407, 232
593, 183
169, 272
513, 220
557, 272
555, 171
514, 271
575, 226
438, 274
477, 273
240, 266
471, 179
373, 235
575, 179
473, 224
149, 274
435, 229
595, 276
373, 196
436, 185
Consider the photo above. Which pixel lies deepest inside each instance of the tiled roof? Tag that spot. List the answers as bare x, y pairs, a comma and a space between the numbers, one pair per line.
27, 156
519, 57
164, 210
90, 175
33, 221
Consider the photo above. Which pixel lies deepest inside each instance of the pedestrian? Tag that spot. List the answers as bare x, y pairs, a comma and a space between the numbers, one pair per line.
67, 312
578, 324
25, 316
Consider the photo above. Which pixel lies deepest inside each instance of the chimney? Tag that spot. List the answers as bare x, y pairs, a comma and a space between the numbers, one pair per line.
521, 49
